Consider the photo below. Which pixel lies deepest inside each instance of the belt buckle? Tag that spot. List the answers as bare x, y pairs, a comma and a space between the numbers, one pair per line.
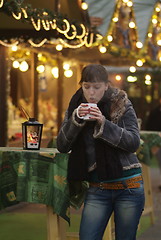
101, 185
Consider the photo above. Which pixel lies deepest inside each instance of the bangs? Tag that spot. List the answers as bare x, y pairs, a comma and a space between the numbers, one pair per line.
94, 73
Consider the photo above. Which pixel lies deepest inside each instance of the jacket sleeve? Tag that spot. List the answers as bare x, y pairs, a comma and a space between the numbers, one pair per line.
124, 135
68, 132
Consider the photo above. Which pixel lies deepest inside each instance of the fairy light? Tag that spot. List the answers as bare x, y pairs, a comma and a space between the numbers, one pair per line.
159, 42
17, 17
84, 6
154, 21
46, 24
9, 44
55, 72
83, 31
40, 68
150, 35
15, 64
102, 49
109, 38
132, 24
36, 26
129, 3
132, 69
131, 78
14, 48
115, 19
24, 66
139, 63
65, 44
91, 38
1, 3
147, 77
66, 66
53, 24
148, 82
24, 13
139, 45
68, 73
59, 47
74, 32
37, 44
118, 78
67, 27
157, 9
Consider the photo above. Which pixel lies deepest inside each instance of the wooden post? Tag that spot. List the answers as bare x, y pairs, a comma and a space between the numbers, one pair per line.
4, 89
60, 94
34, 86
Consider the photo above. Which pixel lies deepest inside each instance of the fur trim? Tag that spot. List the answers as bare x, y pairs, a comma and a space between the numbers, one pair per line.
118, 104
74, 115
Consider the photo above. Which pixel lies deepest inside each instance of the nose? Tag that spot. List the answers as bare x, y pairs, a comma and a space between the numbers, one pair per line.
91, 91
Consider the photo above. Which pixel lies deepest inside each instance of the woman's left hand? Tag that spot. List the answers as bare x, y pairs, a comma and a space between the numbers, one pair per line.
96, 114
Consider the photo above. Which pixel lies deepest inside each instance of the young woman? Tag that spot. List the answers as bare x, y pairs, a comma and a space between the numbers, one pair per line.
103, 153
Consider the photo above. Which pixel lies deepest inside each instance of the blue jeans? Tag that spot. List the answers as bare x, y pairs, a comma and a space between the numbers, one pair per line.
127, 205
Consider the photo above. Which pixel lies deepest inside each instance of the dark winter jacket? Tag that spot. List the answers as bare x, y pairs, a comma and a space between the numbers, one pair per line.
118, 136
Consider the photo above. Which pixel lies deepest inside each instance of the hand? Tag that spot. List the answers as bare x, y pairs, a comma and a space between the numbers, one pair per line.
96, 114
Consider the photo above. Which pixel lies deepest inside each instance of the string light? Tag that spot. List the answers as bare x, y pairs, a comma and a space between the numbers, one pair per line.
37, 44
132, 69
40, 68
67, 27
68, 73
84, 6
36, 26
102, 49
9, 44
59, 47
46, 24
15, 64
55, 72
139, 45
17, 17
24, 66
24, 13
1, 3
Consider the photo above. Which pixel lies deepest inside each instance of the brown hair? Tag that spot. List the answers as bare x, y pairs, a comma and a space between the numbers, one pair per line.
94, 73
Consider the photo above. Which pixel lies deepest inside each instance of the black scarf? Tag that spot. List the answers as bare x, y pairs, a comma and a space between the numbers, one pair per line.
108, 164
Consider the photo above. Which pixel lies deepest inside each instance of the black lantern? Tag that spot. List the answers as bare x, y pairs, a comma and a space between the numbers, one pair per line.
31, 134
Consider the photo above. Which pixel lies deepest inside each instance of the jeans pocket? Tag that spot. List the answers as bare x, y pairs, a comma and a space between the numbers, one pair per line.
137, 191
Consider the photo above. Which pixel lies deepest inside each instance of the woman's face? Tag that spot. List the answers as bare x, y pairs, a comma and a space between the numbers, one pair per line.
94, 91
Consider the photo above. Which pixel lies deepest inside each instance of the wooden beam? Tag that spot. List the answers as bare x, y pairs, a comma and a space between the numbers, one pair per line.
4, 89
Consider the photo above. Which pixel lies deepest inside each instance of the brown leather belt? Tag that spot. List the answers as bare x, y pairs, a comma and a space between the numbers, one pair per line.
128, 183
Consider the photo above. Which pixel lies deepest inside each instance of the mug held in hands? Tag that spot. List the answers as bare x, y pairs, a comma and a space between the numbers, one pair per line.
87, 116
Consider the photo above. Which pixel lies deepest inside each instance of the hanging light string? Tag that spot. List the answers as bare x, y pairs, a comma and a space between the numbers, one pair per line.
45, 20
1, 3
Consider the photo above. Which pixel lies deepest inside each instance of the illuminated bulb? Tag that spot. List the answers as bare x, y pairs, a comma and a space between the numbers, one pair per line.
109, 38
139, 63
147, 77
84, 6
154, 21
66, 66
14, 48
40, 68
125, 1
159, 42
59, 47
55, 72
157, 9
129, 3
102, 49
150, 35
24, 66
115, 19
16, 64
139, 45
132, 69
148, 82
132, 25
160, 59
131, 78
68, 73
118, 77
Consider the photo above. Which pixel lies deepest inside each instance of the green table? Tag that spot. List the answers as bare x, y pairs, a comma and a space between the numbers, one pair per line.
35, 177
